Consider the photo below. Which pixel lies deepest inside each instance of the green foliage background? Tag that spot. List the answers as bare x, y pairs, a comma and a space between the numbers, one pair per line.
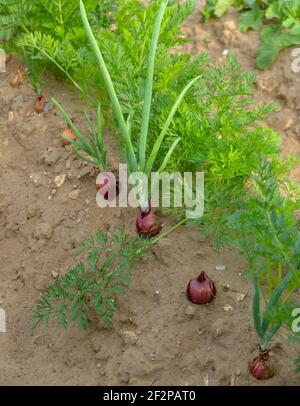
277, 20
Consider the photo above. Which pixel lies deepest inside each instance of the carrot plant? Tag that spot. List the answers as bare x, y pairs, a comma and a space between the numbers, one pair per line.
50, 32
93, 282
218, 129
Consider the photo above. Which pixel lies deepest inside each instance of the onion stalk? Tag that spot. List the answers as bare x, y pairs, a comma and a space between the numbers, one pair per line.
89, 146
137, 161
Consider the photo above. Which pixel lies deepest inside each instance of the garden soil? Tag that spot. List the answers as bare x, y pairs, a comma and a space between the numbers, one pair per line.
157, 336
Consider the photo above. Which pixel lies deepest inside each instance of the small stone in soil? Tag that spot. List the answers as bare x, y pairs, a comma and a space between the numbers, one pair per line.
228, 308
226, 288
240, 297
220, 268
190, 310
74, 194
60, 180
43, 231
40, 283
37, 179
54, 274
84, 172
129, 337
10, 116
51, 157
73, 214
68, 164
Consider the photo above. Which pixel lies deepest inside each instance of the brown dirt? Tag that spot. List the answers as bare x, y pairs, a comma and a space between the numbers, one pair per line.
174, 342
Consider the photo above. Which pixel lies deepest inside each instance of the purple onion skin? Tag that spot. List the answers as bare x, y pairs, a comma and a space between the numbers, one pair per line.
107, 186
147, 223
261, 367
201, 290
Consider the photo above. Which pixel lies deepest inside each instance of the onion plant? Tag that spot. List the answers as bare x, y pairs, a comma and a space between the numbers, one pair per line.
136, 155
89, 146
267, 323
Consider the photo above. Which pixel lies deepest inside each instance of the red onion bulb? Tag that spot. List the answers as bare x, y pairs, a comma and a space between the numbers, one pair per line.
147, 223
201, 290
107, 185
261, 367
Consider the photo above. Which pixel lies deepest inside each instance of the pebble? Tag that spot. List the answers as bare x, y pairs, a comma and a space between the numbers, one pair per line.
10, 116
129, 337
220, 268
228, 308
67, 246
37, 179
54, 274
226, 288
74, 194
68, 164
43, 231
51, 157
85, 171
240, 297
40, 283
190, 310
60, 180
73, 215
